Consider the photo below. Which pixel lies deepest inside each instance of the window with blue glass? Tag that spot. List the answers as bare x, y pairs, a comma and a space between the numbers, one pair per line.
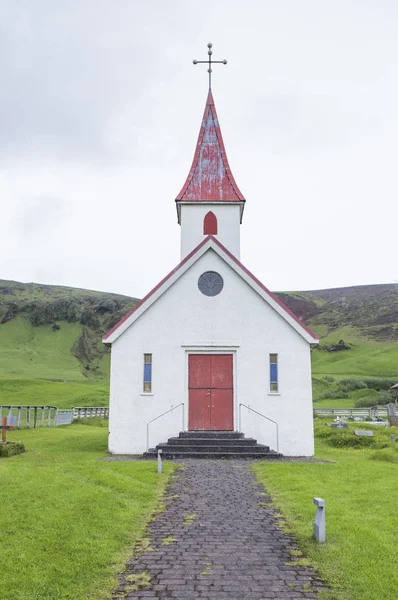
273, 372
147, 372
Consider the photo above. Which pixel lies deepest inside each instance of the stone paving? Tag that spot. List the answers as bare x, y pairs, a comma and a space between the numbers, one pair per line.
217, 539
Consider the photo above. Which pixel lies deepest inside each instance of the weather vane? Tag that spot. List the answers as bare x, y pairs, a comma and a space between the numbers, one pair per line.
210, 62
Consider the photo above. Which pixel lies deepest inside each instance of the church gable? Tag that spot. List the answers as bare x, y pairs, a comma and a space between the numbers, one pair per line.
208, 286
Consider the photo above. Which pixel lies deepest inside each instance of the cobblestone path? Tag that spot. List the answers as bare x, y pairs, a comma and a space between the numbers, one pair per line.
217, 539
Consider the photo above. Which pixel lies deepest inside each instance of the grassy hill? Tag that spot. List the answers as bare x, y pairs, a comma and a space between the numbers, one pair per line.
50, 343
51, 350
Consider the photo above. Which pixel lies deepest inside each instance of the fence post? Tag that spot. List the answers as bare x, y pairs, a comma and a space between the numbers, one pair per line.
19, 417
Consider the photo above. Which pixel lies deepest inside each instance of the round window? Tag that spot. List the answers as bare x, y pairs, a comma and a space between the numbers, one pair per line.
210, 283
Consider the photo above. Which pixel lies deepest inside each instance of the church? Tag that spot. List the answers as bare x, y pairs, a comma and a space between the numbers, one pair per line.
210, 348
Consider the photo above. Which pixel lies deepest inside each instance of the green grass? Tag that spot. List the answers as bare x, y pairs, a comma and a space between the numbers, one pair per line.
53, 393
364, 359
69, 521
359, 560
34, 352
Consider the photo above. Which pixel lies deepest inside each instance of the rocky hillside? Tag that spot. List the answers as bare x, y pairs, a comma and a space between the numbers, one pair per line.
371, 309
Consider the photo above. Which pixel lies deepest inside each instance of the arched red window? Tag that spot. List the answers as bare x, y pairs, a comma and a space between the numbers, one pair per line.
210, 224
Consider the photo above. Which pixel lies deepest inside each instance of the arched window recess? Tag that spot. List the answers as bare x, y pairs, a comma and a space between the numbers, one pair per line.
210, 224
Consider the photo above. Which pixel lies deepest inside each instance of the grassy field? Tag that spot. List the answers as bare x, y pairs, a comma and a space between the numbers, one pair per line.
53, 393
32, 352
359, 560
68, 521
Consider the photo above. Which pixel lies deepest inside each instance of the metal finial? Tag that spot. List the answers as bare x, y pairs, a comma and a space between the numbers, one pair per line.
210, 62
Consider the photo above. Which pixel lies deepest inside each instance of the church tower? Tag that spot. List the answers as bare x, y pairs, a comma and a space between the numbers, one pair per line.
210, 202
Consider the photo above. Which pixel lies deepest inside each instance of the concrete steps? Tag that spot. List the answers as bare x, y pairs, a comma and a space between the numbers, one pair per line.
212, 444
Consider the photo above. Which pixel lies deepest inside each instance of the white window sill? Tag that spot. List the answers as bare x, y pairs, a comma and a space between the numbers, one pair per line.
273, 394
146, 394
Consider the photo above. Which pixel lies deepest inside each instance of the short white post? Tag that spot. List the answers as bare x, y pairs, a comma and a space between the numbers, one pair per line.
160, 466
320, 521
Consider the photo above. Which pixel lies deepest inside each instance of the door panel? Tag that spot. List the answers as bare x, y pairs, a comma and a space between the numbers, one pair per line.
199, 371
221, 416
221, 371
199, 409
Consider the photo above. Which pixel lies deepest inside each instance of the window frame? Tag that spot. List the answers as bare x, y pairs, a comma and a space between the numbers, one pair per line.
273, 376
147, 385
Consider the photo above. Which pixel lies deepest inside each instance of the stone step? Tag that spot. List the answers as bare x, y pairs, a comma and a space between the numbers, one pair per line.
271, 455
212, 444
210, 441
205, 434
226, 448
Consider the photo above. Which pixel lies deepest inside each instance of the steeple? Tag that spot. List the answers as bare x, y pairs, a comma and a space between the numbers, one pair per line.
210, 179
210, 202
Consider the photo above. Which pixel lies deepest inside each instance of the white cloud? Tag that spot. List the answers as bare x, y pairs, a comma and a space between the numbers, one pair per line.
101, 108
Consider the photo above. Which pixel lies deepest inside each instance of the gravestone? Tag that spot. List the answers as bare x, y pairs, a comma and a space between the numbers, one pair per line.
12, 421
363, 432
393, 437
392, 414
339, 426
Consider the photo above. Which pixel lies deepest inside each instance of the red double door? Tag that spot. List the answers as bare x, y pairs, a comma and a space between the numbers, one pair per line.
210, 383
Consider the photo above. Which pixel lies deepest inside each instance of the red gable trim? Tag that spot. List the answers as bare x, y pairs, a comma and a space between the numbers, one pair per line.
184, 261
228, 179
155, 289
266, 290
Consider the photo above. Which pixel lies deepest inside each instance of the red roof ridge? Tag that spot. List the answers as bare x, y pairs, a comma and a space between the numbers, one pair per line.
153, 290
208, 180
184, 261
265, 289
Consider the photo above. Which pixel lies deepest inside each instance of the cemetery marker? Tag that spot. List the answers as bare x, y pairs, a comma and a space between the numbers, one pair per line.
4, 428
363, 432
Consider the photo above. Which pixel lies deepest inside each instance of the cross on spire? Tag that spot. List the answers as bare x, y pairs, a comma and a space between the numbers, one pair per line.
209, 62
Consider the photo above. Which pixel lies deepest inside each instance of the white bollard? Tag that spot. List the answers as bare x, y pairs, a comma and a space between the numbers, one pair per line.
160, 466
320, 521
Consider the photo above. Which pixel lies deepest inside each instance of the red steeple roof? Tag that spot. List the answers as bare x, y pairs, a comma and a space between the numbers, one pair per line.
210, 178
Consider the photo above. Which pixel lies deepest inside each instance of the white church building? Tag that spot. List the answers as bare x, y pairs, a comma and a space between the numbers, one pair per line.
210, 348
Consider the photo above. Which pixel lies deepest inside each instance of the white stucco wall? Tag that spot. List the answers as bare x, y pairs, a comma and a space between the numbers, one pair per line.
228, 221
239, 321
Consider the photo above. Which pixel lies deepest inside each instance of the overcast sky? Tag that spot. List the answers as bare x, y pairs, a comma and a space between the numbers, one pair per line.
100, 108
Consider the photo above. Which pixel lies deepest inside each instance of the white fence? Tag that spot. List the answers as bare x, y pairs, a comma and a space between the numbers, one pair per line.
353, 413
31, 417
25, 416
84, 412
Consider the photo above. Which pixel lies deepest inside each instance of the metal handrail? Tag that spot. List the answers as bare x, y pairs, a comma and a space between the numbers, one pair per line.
261, 415
162, 415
